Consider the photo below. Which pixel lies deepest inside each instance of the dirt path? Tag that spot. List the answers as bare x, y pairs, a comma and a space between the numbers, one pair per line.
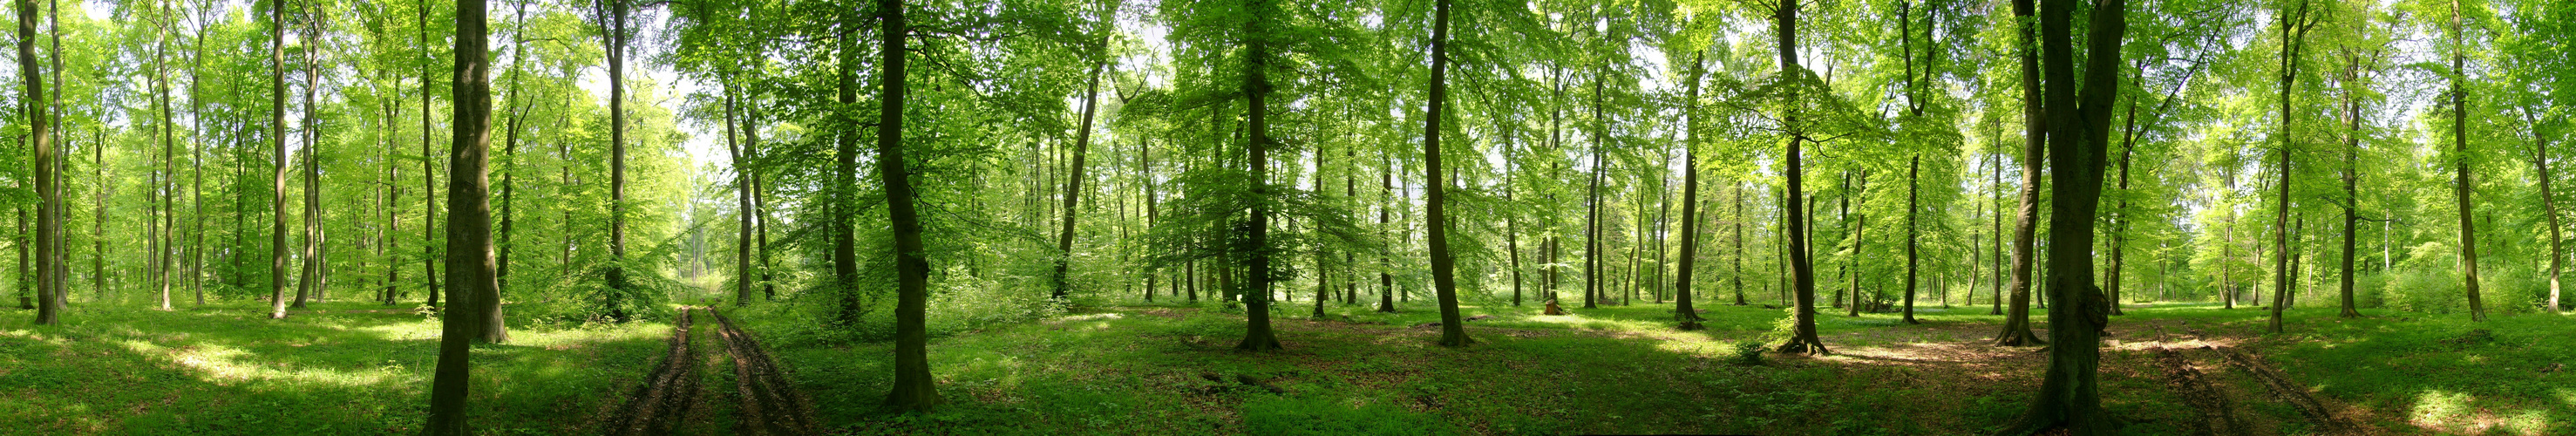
664, 400
768, 404
2216, 416
2287, 391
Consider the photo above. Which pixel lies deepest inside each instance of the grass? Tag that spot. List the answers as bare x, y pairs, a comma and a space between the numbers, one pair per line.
225, 369
346, 368
1137, 370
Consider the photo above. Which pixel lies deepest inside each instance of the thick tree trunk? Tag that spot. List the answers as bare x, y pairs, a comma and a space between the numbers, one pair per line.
1444, 281
1073, 185
912, 380
1257, 335
845, 156
471, 272
2069, 396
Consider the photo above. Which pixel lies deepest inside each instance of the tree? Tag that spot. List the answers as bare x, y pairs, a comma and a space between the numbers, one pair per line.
1073, 182
1802, 272
2463, 186
1453, 331
912, 383
1682, 310
2294, 35
2069, 396
49, 221
277, 138
473, 284
1257, 335
2016, 328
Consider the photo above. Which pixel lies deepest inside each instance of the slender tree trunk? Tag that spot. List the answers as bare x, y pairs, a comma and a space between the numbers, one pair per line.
2464, 186
1444, 282
2293, 31
845, 251
2352, 197
1802, 273
1914, 180
510, 153
429, 200
1860, 232
1592, 283
313, 238
1737, 220
277, 120
1385, 275
2548, 207
1682, 311
169, 185
49, 225
472, 273
1073, 184
2016, 329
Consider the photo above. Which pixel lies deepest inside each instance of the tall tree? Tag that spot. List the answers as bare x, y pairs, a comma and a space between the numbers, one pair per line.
1453, 331
471, 276
1073, 182
1257, 335
1682, 310
277, 141
2016, 328
49, 221
2069, 395
912, 382
1802, 271
2294, 35
2463, 186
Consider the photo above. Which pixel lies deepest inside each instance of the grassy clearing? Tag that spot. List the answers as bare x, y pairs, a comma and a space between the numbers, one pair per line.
1141, 370
340, 368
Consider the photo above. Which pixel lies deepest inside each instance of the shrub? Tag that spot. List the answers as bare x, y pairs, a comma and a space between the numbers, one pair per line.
1749, 352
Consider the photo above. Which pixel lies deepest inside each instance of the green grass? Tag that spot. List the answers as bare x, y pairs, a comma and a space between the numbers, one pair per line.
1135, 370
225, 369
1140, 370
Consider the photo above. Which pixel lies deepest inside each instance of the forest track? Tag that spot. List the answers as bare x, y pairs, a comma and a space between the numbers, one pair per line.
769, 404
2217, 417
663, 401
2287, 391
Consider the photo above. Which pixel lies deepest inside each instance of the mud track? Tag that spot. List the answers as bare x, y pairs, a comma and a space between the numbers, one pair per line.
663, 401
2286, 391
769, 405
2216, 415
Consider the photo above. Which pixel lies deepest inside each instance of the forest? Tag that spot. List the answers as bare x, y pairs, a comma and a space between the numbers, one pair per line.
1286, 217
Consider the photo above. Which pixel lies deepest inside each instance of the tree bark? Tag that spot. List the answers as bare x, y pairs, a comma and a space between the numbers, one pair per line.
1444, 281
1073, 185
471, 273
1257, 335
912, 380
844, 207
49, 225
2548, 207
1802, 276
313, 237
429, 200
2069, 396
1682, 311
2294, 30
2463, 186
2016, 329
277, 140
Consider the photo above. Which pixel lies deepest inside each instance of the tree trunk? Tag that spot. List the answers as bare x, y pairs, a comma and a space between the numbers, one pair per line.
1859, 233
2016, 329
49, 224
1914, 180
1592, 284
1257, 335
2464, 186
1736, 220
2069, 396
2548, 207
313, 237
1444, 281
277, 140
1385, 275
168, 186
2293, 31
510, 155
1682, 311
1073, 185
428, 200
844, 207
912, 380
2352, 193
470, 268
1802, 274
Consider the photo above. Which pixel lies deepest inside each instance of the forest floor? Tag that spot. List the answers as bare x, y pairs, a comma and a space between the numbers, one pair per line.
2166, 369
352, 368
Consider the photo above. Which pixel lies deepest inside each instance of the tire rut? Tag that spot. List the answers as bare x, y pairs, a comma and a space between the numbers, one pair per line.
664, 400
769, 405
2286, 391
2216, 415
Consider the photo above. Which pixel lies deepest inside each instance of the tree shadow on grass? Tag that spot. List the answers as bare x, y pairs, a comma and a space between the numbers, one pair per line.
228, 370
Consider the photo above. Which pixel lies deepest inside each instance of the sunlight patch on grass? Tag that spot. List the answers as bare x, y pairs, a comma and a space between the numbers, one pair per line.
1582, 322
227, 365
404, 331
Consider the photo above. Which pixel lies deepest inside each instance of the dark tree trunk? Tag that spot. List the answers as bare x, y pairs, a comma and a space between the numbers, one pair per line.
2548, 207
428, 200
1736, 220
1914, 178
1592, 277
2294, 30
617, 268
1444, 282
1385, 277
742, 189
1682, 311
2352, 197
311, 283
912, 381
1257, 335
2069, 396
2464, 186
1802, 272
49, 222
470, 268
1073, 185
